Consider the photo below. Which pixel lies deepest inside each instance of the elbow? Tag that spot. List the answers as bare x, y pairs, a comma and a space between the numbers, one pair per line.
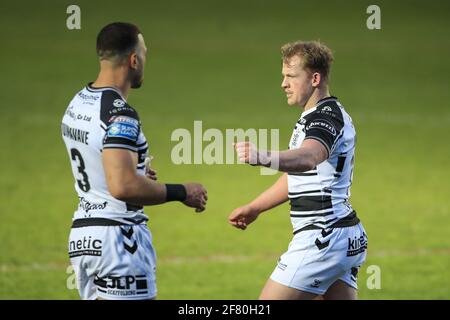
119, 191
308, 165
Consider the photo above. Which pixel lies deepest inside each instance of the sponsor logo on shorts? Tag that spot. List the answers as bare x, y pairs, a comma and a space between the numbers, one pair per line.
316, 283
122, 286
357, 245
87, 246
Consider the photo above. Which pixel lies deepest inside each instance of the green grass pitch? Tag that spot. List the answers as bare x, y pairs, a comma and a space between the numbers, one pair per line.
218, 61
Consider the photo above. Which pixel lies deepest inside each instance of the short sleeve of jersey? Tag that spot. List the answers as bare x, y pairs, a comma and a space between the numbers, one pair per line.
122, 125
324, 127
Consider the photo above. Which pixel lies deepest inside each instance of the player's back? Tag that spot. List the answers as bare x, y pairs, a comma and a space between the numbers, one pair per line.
94, 120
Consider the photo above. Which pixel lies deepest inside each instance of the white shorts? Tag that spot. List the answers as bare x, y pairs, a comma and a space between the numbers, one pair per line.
113, 262
315, 259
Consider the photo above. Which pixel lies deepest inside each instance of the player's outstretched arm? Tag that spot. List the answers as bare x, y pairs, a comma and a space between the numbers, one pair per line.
277, 194
305, 158
126, 185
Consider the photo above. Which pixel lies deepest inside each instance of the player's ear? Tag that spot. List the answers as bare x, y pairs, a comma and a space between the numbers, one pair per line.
316, 79
133, 61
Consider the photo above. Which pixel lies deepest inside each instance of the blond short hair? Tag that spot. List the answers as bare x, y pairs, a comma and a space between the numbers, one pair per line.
315, 56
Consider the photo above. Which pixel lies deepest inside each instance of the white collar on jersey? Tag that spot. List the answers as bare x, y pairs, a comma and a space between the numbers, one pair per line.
89, 87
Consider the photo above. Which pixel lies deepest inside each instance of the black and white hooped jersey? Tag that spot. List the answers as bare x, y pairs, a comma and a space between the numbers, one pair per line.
320, 197
97, 119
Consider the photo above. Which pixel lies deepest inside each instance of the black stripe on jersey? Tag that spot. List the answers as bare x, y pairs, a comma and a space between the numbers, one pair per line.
120, 141
133, 207
311, 203
323, 214
324, 222
141, 144
310, 191
141, 155
303, 174
88, 222
119, 146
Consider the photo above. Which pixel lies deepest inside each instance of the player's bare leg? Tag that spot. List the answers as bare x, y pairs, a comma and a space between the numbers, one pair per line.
341, 291
276, 291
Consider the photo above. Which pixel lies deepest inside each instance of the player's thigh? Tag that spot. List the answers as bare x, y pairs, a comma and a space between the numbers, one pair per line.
122, 266
276, 291
128, 269
341, 291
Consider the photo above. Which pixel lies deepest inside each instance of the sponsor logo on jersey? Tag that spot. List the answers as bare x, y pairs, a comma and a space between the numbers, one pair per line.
75, 134
281, 266
124, 119
88, 206
88, 96
295, 137
118, 103
84, 117
123, 129
357, 245
70, 113
327, 108
121, 109
322, 125
86, 246
128, 285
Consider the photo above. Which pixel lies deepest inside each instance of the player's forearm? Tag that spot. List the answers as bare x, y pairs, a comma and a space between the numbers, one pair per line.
272, 197
140, 190
297, 160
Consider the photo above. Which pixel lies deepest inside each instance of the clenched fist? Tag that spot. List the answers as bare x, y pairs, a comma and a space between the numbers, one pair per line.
241, 217
248, 153
196, 196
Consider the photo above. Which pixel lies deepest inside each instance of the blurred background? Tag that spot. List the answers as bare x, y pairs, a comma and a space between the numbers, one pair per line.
219, 62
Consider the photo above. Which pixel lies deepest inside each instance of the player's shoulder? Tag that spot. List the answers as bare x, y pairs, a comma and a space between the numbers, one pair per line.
326, 116
113, 105
329, 107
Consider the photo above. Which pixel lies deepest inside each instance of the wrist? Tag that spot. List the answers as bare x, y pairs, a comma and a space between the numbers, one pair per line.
175, 192
255, 208
264, 158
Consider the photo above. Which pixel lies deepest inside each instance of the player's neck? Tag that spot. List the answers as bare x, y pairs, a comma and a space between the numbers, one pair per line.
113, 77
318, 94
